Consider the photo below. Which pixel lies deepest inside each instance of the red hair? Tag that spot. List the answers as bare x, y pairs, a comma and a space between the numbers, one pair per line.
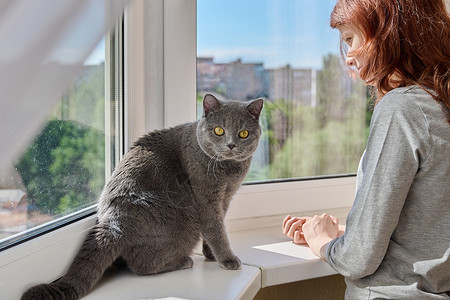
406, 38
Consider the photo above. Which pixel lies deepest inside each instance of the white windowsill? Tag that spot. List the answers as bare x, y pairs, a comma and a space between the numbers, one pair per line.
276, 268
206, 280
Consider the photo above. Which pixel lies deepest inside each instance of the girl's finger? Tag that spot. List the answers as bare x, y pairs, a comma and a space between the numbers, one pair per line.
335, 220
295, 226
287, 218
288, 225
299, 237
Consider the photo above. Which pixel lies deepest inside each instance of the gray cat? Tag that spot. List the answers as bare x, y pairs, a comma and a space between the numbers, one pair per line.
172, 188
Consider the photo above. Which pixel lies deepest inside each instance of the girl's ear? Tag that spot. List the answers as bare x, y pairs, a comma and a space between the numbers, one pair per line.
255, 107
210, 104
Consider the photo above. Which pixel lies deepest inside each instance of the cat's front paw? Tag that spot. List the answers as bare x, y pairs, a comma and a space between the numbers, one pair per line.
186, 263
232, 263
207, 252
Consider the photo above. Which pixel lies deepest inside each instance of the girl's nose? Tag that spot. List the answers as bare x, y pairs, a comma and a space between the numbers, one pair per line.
350, 61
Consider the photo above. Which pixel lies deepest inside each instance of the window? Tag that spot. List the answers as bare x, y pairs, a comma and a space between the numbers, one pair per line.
314, 117
158, 40
60, 176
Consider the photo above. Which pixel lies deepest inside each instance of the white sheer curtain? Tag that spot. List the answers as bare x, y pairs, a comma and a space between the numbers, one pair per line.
43, 44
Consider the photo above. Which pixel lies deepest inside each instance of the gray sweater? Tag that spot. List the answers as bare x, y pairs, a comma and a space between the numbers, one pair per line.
397, 239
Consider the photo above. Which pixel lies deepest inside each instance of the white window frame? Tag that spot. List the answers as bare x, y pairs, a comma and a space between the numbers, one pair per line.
160, 80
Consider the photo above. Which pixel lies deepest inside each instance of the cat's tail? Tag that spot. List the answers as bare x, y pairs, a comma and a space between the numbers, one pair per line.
97, 253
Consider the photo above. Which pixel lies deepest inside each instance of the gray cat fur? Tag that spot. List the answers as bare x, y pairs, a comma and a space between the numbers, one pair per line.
170, 190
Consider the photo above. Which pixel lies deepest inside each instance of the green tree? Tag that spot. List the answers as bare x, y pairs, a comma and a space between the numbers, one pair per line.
326, 139
64, 168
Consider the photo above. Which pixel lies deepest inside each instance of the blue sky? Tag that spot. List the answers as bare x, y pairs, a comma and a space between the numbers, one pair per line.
97, 55
275, 32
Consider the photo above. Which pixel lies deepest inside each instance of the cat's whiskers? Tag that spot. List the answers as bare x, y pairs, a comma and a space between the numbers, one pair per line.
213, 161
216, 165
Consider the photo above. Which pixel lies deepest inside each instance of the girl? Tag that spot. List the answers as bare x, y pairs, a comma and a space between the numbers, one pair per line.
396, 243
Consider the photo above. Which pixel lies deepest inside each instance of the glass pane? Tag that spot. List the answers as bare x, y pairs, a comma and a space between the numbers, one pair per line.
314, 117
63, 170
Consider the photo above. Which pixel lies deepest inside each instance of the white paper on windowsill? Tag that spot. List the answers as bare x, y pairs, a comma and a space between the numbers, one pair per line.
290, 249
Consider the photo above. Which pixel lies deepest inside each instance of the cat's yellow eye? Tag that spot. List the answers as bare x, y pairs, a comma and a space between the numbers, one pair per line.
243, 134
219, 131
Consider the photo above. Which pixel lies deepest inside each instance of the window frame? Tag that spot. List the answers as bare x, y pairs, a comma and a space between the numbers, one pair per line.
157, 95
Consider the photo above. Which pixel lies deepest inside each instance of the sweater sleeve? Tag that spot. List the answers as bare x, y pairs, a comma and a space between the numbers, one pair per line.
397, 143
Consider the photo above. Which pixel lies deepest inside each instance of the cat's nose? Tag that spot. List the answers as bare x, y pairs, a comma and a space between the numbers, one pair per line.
231, 146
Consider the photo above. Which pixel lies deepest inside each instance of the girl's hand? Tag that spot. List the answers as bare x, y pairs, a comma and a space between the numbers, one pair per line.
292, 228
319, 231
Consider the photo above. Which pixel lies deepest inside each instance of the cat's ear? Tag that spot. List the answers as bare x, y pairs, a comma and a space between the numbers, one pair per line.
210, 104
255, 107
